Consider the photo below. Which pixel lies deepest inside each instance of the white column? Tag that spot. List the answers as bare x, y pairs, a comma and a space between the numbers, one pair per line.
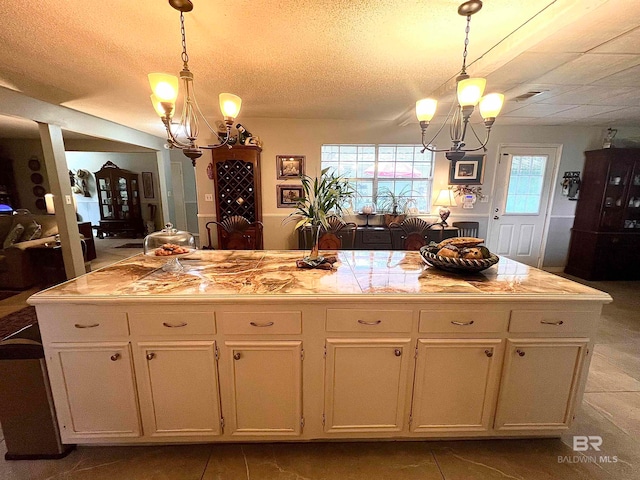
56, 163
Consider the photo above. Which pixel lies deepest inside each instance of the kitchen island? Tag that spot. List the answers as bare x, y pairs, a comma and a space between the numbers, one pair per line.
244, 346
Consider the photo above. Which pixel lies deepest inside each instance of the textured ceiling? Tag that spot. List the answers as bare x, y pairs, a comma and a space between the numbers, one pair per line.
368, 59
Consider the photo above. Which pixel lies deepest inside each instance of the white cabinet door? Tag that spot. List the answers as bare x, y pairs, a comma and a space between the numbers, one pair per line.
97, 382
179, 388
539, 383
455, 384
366, 383
263, 393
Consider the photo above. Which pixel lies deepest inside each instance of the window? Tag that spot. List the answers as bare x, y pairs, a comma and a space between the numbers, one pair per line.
525, 184
372, 169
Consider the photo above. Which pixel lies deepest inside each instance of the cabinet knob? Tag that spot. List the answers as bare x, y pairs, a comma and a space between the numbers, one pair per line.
397, 352
237, 356
520, 352
488, 352
151, 356
115, 357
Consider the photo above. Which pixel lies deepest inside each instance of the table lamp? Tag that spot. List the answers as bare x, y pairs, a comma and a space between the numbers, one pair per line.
444, 201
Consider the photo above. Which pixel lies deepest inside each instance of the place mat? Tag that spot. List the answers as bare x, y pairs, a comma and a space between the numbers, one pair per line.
17, 320
4, 294
130, 245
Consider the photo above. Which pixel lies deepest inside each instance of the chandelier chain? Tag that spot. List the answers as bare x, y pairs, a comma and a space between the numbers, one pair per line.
185, 56
466, 44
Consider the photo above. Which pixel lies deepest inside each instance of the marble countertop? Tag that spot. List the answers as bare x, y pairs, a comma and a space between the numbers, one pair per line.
241, 275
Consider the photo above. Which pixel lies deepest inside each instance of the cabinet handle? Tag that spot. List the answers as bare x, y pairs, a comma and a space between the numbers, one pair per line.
488, 352
397, 352
545, 322
151, 356
93, 325
115, 357
174, 325
364, 322
254, 324
520, 352
453, 322
237, 356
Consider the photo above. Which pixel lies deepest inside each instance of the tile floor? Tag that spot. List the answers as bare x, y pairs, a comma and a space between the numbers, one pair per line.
611, 409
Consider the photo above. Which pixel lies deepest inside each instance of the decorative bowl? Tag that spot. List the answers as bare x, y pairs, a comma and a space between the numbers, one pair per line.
458, 265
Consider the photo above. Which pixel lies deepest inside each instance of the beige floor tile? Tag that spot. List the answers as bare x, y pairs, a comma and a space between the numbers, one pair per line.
512, 459
324, 461
624, 356
615, 443
620, 408
185, 462
607, 377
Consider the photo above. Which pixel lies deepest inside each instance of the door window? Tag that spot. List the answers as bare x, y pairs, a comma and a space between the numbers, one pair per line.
525, 184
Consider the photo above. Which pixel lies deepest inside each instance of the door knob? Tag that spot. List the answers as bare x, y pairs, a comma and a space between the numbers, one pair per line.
495, 217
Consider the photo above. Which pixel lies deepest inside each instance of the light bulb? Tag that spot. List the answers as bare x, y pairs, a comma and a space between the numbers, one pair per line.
164, 86
470, 90
491, 104
426, 109
230, 105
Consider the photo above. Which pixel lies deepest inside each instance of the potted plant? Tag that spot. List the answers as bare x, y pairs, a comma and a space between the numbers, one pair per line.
395, 205
323, 196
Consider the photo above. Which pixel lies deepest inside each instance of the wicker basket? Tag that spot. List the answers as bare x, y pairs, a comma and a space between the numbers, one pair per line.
458, 265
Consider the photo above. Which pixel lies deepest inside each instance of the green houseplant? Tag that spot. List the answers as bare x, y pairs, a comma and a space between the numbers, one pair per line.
323, 196
394, 205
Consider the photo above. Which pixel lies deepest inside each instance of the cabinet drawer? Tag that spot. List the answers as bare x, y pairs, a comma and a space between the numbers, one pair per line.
260, 323
376, 237
78, 327
463, 321
552, 321
368, 321
173, 323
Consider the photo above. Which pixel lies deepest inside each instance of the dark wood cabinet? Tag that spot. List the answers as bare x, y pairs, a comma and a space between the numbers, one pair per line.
605, 239
119, 201
236, 178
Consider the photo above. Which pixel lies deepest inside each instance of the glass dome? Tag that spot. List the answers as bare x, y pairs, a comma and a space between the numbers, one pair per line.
170, 243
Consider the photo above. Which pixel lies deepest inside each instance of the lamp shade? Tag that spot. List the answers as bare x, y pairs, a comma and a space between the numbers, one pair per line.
48, 201
491, 104
445, 199
426, 109
470, 91
160, 106
164, 86
230, 105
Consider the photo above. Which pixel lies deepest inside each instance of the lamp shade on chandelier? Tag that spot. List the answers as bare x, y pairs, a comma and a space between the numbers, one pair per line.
470, 92
165, 88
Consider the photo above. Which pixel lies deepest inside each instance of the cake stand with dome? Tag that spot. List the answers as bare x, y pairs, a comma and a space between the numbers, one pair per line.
172, 244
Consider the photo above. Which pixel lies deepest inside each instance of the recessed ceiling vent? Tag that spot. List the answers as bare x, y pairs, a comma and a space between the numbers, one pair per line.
526, 96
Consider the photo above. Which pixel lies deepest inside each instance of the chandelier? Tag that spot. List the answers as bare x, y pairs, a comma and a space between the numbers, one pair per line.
184, 134
469, 91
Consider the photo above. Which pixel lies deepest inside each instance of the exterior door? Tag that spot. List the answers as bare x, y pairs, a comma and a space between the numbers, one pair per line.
520, 211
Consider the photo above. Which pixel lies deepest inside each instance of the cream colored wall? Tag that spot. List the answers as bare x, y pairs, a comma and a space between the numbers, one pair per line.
305, 137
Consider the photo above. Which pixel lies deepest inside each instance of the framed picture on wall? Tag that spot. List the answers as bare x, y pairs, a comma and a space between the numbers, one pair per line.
288, 195
147, 184
468, 171
289, 166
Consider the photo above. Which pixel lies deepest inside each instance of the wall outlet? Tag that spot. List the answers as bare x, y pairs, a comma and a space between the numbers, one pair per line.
208, 197
484, 200
67, 199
